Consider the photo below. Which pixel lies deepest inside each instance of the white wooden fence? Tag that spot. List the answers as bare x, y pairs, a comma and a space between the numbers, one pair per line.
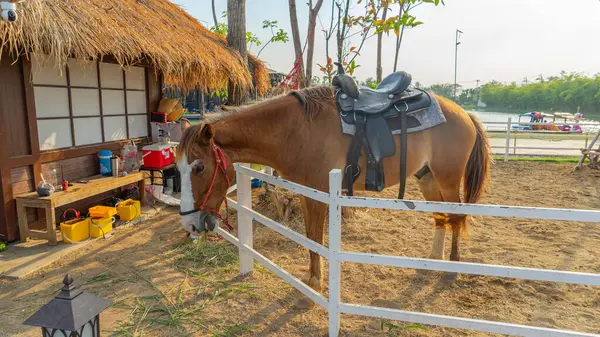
335, 255
514, 137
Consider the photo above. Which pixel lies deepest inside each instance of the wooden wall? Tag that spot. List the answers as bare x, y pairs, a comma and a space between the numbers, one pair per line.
21, 161
15, 142
12, 98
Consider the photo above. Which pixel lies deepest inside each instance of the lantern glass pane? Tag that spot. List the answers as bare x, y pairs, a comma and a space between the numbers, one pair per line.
46, 332
88, 329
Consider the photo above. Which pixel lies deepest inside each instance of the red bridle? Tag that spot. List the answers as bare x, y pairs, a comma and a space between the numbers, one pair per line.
221, 165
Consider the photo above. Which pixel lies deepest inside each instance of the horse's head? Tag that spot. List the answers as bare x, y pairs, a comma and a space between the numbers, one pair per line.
204, 177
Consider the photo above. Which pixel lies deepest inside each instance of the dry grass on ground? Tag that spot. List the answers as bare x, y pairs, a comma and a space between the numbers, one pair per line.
163, 285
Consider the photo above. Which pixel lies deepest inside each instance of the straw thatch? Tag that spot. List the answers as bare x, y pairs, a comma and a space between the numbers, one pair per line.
156, 31
262, 80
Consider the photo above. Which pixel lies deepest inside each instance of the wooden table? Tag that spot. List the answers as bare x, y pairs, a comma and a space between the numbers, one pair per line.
160, 169
96, 185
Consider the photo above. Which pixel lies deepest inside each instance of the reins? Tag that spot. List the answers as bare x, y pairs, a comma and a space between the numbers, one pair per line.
221, 166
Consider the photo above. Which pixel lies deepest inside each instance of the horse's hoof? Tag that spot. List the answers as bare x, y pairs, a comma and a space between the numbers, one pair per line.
304, 303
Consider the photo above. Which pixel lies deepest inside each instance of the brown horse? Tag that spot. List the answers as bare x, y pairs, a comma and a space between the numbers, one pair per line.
303, 142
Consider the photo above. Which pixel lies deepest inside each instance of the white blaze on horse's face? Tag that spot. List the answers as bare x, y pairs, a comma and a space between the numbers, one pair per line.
187, 196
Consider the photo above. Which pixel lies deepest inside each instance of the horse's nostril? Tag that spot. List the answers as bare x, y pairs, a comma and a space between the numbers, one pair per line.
211, 223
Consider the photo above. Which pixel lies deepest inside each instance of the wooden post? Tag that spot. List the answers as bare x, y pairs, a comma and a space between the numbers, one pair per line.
142, 190
335, 244
50, 223
244, 199
22, 217
585, 152
507, 148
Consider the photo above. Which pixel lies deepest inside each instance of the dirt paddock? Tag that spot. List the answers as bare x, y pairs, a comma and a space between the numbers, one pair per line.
161, 284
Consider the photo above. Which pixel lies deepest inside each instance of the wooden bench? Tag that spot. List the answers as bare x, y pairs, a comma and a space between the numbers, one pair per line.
79, 191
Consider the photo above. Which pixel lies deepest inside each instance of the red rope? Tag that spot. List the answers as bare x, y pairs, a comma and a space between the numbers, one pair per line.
221, 166
291, 80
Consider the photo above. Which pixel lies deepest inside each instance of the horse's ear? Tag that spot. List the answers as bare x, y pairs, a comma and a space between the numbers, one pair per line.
207, 133
185, 123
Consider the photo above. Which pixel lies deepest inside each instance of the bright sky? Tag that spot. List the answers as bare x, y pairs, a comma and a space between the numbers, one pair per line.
503, 40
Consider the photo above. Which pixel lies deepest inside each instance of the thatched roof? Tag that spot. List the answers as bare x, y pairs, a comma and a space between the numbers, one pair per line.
157, 31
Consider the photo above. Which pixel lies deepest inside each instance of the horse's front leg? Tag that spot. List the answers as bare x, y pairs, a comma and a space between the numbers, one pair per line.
314, 221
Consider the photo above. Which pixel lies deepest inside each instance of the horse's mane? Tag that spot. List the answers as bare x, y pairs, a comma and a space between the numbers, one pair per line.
315, 99
188, 139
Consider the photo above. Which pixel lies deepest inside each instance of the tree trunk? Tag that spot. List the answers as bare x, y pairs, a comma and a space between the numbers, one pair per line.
398, 44
399, 37
312, 22
297, 44
236, 39
214, 14
341, 29
379, 41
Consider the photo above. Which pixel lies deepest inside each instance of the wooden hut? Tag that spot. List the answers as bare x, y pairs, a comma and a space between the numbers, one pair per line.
77, 77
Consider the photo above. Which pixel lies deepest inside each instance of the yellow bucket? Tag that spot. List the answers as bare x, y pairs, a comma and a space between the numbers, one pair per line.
99, 227
129, 209
75, 230
102, 211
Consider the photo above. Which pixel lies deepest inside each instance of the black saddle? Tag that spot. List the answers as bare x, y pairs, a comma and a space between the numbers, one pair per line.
393, 84
373, 111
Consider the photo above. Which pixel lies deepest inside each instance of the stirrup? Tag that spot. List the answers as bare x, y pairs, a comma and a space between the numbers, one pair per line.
374, 177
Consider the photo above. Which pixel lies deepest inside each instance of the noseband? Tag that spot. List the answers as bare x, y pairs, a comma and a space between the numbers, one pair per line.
222, 167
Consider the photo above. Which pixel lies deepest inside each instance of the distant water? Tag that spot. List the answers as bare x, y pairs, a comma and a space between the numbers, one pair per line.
492, 116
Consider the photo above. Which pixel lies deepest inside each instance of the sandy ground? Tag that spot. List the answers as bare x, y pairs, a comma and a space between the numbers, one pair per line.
162, 285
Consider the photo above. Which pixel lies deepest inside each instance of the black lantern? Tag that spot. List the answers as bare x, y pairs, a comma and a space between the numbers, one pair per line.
72, 313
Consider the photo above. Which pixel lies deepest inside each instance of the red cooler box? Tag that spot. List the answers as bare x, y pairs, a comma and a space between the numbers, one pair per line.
158, 155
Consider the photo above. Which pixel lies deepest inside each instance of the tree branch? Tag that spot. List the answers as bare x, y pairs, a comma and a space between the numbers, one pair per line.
264, 46
214, 14
364, 38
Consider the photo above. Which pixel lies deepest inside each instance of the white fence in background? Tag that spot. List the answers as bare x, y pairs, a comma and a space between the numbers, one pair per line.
498, 130
335, 255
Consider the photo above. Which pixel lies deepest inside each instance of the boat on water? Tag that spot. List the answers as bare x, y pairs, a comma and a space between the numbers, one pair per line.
543, 124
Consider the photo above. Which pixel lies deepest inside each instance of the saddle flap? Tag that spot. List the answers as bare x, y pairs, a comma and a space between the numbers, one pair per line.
380, 139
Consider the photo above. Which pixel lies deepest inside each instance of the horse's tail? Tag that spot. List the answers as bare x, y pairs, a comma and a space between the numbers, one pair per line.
478, 166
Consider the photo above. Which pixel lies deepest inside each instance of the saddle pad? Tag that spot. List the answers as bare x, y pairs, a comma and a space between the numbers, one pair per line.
417, 121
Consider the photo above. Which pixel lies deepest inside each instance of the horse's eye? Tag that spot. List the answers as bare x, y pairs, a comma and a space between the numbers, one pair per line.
199, 169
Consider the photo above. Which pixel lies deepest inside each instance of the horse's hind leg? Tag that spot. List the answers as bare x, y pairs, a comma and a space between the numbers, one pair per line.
431, 191
458, 222
314, 221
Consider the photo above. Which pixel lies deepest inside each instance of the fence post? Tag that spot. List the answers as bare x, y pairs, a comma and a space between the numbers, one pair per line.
244, 198
507, 148
335, 238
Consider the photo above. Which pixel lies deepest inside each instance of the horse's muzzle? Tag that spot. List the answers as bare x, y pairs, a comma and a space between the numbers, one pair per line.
205, 222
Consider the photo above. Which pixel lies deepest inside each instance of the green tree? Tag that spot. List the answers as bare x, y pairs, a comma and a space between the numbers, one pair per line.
565, 92
445, 89
277, 34
374, 21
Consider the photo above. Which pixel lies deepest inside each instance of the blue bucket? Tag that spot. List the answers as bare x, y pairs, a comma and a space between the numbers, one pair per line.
104, 162
254, 183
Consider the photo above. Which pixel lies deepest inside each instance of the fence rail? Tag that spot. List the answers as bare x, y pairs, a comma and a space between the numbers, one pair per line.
513, 137
336, 255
